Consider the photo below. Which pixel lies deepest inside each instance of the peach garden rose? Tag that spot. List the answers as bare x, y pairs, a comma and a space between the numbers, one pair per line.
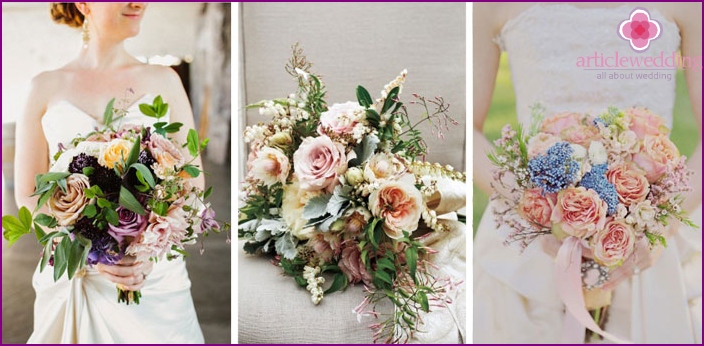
644, 123
613, 244
166, 154
656, 155
579, 212
630, 183
270, 166
400, 204
116, 151
537, 208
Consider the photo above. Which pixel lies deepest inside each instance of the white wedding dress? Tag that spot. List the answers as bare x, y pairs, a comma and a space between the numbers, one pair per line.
85, 309
515, 300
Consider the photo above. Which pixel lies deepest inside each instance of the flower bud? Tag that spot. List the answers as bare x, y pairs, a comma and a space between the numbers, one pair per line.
354, 176
281, 140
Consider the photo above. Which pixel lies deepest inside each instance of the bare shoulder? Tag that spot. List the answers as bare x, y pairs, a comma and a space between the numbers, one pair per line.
44, 87
684, 14
162, 76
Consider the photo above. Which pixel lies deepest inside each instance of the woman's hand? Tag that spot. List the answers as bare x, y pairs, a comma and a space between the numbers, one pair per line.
128, 272
642, 258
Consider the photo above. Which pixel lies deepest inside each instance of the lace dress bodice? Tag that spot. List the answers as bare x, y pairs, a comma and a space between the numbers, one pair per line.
545, 42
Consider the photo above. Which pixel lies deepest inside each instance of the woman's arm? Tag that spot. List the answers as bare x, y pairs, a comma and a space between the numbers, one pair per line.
31, 150
486, 64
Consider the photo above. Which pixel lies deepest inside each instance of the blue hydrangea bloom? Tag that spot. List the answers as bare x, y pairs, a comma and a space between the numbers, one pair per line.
596, 180
555, 170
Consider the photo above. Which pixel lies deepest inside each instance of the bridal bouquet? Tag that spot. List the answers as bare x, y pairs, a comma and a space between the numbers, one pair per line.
122, 190
602, 185
339, 190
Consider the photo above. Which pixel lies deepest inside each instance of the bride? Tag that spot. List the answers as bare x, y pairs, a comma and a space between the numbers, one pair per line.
657, 296
69, 101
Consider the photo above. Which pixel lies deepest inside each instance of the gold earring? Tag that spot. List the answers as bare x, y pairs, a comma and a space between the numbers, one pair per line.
86, 34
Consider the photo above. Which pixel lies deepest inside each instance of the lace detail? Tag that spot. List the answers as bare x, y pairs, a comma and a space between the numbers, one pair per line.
544, 43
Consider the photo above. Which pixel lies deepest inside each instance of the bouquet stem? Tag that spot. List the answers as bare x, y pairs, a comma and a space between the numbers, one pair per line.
128, 297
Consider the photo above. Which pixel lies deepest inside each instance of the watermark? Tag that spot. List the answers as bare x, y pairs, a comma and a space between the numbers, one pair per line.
639, 31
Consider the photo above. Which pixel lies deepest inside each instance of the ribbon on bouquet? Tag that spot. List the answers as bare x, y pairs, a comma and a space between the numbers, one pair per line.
568, 279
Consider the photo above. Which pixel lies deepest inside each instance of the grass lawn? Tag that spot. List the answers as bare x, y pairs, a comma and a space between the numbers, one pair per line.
503, 111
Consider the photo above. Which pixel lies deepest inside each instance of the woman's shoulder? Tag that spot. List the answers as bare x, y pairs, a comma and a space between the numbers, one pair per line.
159, 77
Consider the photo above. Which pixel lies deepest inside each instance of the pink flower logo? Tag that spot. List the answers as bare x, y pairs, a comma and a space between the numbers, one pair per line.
639, 29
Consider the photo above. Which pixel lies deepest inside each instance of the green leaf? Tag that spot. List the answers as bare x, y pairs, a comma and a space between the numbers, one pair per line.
208, 192
104, 203
87, 171
41, 188
160, 208
112, 217
38, 231
193, 171
173, 127
13, 229
412, 261
390, 100
61, 257
364, 150
107, 115
128, 201
193, 142
46, 255
45, 197
134, 153
363, 97
45, 220
339, 283
49, 236
373, 118
385, 263
369, 230
74, 258
62, 184
423, 300
146, 173
90, 211
53, 176
300, 280
25, 217
383, 276
147, 110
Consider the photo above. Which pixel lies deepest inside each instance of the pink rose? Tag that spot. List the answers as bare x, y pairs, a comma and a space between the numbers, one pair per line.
161, 233
351, 264
656, 155
613, 244
400, 204
579, 212
537, 208
269, 165
645, 123
630, 182
341, 119
560, 122
540, 143
318, 162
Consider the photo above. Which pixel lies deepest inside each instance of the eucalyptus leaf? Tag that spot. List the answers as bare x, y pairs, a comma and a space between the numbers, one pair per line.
316, 207
46, 255
53, 176
61, 257
365, 150
107, 115
45, 197
146, 173
134, 153
38, 231
62, 184
74, 258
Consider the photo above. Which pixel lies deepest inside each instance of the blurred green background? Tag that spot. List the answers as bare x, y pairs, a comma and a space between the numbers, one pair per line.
503, 111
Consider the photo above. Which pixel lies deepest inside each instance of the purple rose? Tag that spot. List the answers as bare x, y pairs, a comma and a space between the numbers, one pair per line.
131, 225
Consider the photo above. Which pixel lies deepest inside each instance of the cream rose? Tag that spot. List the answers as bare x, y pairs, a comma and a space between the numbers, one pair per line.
579, 212
117, 150
292, 205
656, 155
383, 166
68, 206
318, 162
270, 166
400, 204
630, 183
537, 208
613, 244
644, 123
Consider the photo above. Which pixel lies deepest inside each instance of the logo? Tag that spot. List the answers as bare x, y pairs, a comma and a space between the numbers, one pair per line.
639, 29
